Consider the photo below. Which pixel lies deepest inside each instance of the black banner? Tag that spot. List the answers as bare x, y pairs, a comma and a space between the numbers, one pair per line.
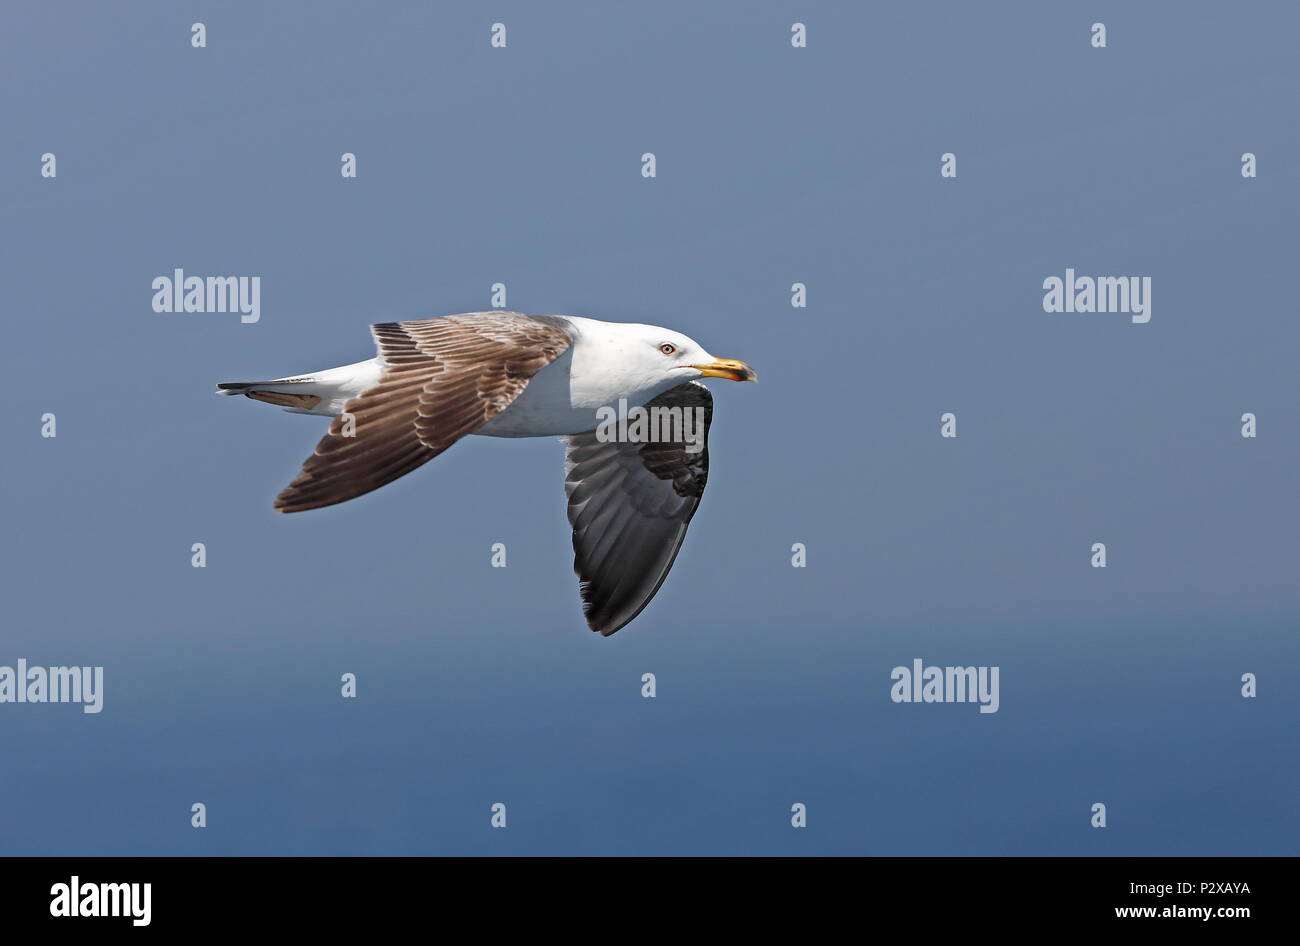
203, 895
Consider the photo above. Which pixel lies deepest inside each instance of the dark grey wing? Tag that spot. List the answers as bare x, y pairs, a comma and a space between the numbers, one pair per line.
630, 504
443, 378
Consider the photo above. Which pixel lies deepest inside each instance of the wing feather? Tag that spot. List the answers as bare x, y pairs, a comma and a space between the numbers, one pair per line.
443, 379
630, 505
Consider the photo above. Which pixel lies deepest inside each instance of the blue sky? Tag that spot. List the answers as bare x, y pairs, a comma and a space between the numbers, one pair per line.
775, 165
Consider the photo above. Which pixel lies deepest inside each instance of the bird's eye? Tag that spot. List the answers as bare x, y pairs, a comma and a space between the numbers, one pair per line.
667, 349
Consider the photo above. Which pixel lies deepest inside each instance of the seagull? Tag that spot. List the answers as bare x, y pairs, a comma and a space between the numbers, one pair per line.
631, 494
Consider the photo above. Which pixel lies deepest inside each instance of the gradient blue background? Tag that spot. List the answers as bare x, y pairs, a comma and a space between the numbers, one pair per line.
776, 165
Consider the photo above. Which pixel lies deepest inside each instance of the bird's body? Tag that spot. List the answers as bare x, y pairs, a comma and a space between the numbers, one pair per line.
505, 374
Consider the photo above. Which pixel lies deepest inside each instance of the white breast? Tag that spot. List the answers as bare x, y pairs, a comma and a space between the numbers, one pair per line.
563, 397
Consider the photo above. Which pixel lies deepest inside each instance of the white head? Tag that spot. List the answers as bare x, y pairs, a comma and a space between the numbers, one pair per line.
652, 359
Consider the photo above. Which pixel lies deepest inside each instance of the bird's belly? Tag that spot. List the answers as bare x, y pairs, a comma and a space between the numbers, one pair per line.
531, 419
555, 403
544, 408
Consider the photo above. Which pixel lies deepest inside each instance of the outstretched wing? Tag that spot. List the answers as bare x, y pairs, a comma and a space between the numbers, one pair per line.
630, 504
443, 378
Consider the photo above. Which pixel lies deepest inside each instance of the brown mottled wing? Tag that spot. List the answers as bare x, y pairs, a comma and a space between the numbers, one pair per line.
444, 378
629, 505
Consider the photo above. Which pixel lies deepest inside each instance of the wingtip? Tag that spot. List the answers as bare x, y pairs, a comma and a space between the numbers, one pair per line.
605, 628
283, 503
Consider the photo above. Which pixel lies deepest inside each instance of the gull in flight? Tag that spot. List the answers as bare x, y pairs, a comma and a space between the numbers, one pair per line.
505, 374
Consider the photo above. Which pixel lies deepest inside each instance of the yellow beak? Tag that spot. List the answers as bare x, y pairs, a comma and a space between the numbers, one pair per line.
727, 368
